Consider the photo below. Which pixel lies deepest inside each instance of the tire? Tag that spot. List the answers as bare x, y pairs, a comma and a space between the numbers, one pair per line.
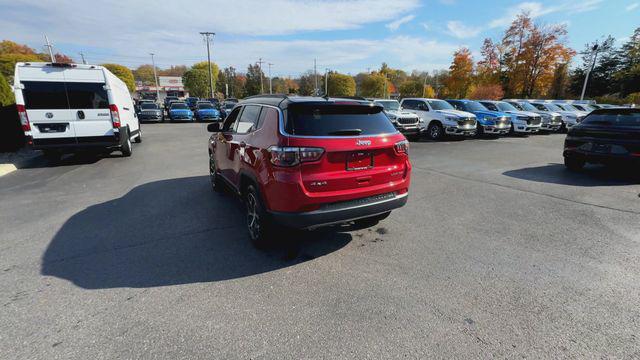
435, 131
479, 131
126, 148
138, 139
216, 182
573, 164
258, 225
372, 221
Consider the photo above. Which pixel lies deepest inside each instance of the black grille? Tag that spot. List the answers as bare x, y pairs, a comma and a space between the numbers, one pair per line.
466, 122
535, 120
406, 121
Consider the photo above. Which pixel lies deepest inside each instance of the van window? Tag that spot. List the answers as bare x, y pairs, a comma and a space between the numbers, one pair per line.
44, 95
248, 119
337, 120
87, 96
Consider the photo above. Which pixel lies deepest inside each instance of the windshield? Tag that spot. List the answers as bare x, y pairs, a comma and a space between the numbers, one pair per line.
473, 106
179, 106
439, 105
505, 106
527, 107
617, 117
148, 106
337, 120
205, 106
388, 104
569, 107
229, 106
553, 107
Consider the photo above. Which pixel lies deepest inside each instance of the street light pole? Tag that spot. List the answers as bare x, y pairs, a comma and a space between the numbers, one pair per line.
593, 65
49, 46
207, 36
155, 76
270, 87
326, 82
260, 62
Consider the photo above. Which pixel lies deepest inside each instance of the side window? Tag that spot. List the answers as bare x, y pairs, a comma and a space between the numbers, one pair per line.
456, 105
422, 106
539, 107
267, 114
248, 119
407, 104
490, 106
230, 121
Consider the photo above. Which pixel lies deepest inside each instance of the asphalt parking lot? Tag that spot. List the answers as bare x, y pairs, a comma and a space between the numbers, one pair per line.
500, 253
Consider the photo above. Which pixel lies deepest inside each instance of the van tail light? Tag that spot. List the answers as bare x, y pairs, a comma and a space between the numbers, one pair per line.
24, 119
115, 116
291, 156
402, 147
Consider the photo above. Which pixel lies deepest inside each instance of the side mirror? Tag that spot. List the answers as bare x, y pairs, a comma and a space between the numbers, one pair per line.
213, 127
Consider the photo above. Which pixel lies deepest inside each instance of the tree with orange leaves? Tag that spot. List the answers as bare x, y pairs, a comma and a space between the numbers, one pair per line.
460, 76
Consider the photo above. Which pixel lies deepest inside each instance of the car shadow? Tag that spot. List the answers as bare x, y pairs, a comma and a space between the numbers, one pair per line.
171, 232
81, 158
591, 175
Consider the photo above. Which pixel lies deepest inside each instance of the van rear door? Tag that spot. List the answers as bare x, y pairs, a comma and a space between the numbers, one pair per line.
88, 103
46, 103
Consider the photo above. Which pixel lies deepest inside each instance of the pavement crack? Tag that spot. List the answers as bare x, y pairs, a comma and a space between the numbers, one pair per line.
525, 191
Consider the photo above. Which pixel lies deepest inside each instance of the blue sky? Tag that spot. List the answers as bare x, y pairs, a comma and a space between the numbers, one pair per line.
347, 36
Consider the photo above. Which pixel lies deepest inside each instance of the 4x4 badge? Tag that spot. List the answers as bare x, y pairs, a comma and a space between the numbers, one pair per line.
363, 142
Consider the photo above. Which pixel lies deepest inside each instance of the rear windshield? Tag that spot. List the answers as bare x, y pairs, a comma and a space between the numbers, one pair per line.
337, 120
179, 106
59, 95
618, 117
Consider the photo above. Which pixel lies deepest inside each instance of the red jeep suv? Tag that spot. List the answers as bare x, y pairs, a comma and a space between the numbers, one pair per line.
306, 162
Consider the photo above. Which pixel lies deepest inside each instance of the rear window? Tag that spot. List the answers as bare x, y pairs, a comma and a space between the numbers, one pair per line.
337, 120
44, 95
620, 117
87, 96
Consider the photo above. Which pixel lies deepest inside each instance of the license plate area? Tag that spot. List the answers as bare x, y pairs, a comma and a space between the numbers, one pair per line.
360, 160
52, 128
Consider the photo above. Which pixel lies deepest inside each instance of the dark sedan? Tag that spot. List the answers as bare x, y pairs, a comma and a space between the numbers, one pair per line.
605, 136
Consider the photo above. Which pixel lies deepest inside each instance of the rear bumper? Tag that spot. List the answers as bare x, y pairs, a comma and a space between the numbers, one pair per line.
341, 212
77, 142
596, 158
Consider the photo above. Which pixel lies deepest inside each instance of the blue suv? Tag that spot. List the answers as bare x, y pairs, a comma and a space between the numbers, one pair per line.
489, 122
180, 111
206, 111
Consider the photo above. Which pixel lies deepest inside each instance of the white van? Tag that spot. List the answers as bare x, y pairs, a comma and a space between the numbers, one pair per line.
73, 107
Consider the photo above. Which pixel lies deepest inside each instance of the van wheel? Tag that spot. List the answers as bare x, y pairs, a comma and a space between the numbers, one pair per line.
138, 139
126, 148
257, 223
435, 131
372, 221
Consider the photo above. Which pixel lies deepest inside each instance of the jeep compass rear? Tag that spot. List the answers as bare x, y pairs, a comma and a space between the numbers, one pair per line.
306, 162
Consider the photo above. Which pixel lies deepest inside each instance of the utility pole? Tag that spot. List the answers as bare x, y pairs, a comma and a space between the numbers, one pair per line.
270, 87
49, 46
315, 75
260, 62
155, 77
83, 60
226, 89
424, 86
208, 37
593, 65
326, 81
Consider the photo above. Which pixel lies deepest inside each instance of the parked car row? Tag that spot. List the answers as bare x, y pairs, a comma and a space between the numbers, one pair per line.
188, 110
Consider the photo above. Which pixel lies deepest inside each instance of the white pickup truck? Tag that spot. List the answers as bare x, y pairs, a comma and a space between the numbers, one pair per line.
440, 118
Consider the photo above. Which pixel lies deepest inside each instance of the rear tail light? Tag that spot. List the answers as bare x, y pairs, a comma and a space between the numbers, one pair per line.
24, 119
402, 147
115, 116
291, 156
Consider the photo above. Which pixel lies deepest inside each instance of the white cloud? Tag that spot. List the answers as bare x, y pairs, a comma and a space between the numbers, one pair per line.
633, 6
536, 9
394, 25
462, 31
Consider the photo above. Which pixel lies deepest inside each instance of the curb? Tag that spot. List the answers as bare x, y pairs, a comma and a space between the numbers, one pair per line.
7, 169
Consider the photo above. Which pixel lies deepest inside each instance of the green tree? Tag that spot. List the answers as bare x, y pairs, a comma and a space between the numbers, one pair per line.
6, 95
8, 62
306, 84
629, 74
196, 79
560, 82
144, 73
124, 74
411, 88
255, 80
373, 85
340, 85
